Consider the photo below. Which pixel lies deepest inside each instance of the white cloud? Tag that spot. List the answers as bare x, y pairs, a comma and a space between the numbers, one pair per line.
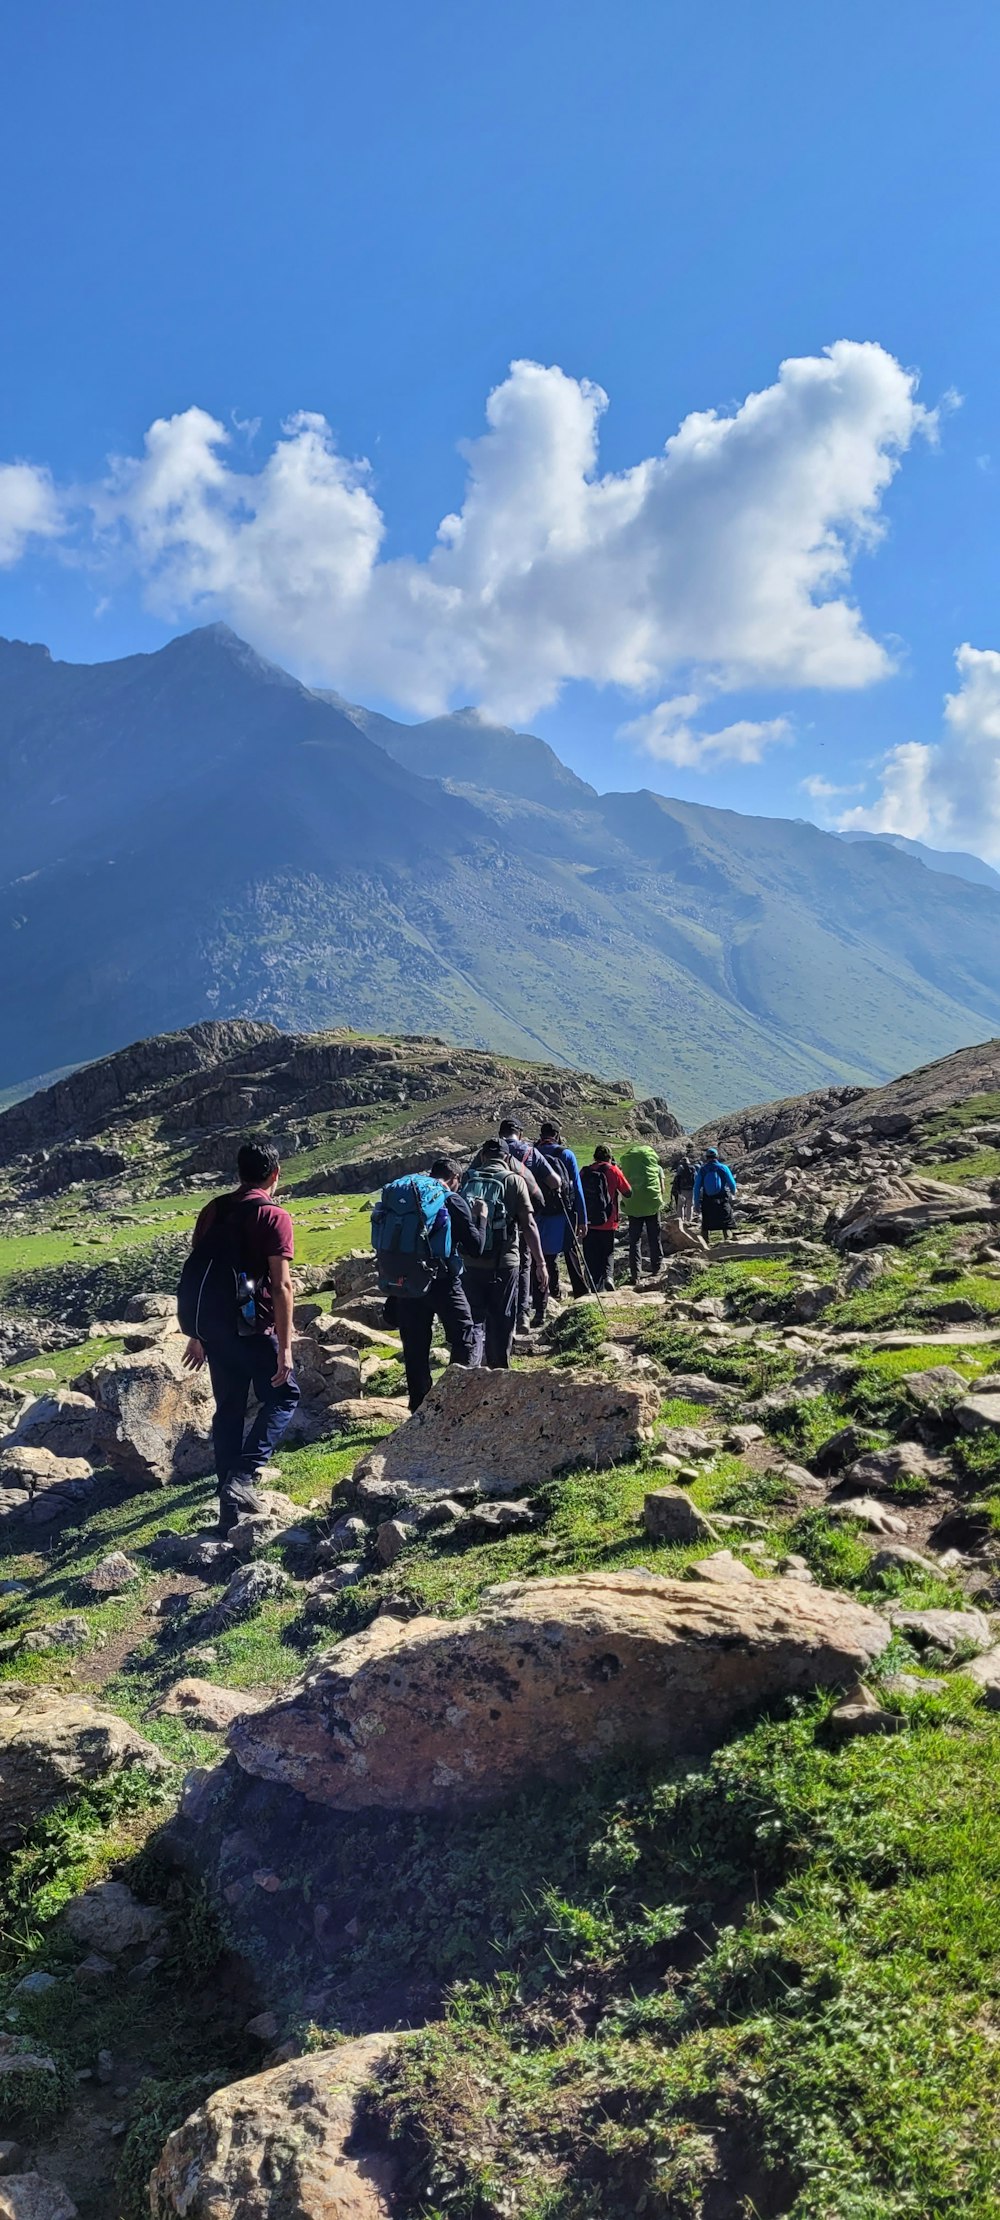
948, 793
723, 561
667, 733
29, 509
820, 789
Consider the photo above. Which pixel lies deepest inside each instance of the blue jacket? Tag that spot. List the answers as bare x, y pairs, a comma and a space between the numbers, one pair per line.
728, 1182
552, 1228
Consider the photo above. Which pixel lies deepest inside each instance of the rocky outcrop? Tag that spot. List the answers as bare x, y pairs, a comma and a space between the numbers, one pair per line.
51, 1743
38, 1486
208, 1704
153, 1418
503, 1432
63, 1422
34, 2197
284, 2143
548, 1676
327, 1374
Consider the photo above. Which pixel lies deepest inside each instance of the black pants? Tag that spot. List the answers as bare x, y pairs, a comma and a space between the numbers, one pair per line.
415, 1315
599, 1256
716, 1215
493, 1303
525, 1284
235, 1366
636, 1228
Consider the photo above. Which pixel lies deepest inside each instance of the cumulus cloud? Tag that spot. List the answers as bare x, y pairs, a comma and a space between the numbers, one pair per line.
723, 561
29, 509
947, 792
668, 733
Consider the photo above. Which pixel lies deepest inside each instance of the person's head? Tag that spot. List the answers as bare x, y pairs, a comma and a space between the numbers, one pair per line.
509, 1131
603, 1155
549, 1132
444, 1170
492, 1148
258, 1164
711, 1156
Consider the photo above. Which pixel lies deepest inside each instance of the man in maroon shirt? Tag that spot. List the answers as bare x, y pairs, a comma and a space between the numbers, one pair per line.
260, 1359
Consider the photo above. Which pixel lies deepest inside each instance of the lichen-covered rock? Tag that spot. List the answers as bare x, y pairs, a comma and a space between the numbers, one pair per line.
548, 1676
669, 1515
113, 1575
947, 1630
34, 2197
108, 1918
207, 1704
284, 2142
63, 1422
154, 1419
51, 1743
503, 1432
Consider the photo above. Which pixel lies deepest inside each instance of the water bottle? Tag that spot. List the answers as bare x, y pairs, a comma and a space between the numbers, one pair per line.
246, 1304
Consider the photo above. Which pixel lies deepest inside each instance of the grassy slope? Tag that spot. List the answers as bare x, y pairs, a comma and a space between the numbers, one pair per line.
762, 1985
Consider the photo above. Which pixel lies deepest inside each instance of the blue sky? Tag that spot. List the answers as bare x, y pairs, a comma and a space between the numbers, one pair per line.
275, 215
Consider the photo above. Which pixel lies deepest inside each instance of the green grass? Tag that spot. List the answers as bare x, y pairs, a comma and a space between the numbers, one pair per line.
67, 1364
774, 1976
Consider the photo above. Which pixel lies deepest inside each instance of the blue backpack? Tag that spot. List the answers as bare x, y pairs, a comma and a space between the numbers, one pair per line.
712, 1182
411, 1234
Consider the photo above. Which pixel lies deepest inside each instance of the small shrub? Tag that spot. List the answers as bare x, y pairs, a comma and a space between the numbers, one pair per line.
577, 1334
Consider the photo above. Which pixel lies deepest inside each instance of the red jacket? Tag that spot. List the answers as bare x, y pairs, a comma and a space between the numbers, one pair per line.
619, 1186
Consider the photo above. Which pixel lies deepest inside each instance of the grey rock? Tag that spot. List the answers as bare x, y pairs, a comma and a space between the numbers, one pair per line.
984, 1671
71, 1633
947, 1630
35, 1984
109, 1919
895, 1557
937, 1385
113, 1575
977, 1412
669, 1515
392, 1538
915, 1684
249, 1589
722, 1565
868, 1513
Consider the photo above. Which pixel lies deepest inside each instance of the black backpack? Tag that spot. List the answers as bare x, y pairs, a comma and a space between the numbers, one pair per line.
559, 1191
215, 1294
596, 1194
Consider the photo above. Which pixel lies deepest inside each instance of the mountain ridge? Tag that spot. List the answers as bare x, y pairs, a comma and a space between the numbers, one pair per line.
194, 834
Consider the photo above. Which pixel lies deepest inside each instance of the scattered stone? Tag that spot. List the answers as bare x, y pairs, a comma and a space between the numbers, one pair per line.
11, 2156
35, 1984
264, 2027
669, 1515
549, 1675
210, 1559
63, 1422
51, 1743
112, 1575
937, 1385
739, 1438
287, 2138
355, 1415
695, 1387
72, 1633
248, 1591
170, 1552
142, 1310
838, 1450
504, 1432
392, 1538
984, 1671
722, 1565
881, 1468
34, 2197
109, 1919
914, 1684
485, 1519
897, 1558
347, 1534
947, 1630
868, 1513
206, 1704
323, 1591
977, 1412
94, 1967
255, 1531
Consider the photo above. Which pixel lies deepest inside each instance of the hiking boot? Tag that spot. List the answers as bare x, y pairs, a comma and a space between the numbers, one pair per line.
238, 1499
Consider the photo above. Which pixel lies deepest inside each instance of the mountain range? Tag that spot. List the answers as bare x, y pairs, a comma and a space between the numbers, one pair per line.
193, 834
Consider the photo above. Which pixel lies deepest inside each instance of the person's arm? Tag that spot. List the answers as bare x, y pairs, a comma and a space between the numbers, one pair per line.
730, 1178
279, 1272
696, 1191
524, 1219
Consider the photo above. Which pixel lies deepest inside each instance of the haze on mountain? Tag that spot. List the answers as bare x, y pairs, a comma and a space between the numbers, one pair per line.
193, 834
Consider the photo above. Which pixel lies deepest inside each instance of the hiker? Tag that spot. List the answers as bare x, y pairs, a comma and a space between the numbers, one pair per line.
446, 1297
498, 1198
682, 1190
714, 1189
644, 1172
563, 1221
234, 1303
603, 1187
542, 1180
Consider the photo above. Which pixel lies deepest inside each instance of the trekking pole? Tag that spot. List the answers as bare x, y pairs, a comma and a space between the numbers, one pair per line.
581, 1259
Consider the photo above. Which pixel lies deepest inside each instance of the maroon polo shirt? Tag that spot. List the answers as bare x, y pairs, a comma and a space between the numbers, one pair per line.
266, 1234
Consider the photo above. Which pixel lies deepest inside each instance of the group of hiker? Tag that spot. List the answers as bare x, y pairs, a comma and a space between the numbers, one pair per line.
480, 1248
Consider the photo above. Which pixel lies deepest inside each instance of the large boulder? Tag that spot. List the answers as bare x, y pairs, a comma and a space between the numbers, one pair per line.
51, 1743
284, 2142
548, 1676
327, 1374
48, 1485
63, 1422
154, 1418
502, 1432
